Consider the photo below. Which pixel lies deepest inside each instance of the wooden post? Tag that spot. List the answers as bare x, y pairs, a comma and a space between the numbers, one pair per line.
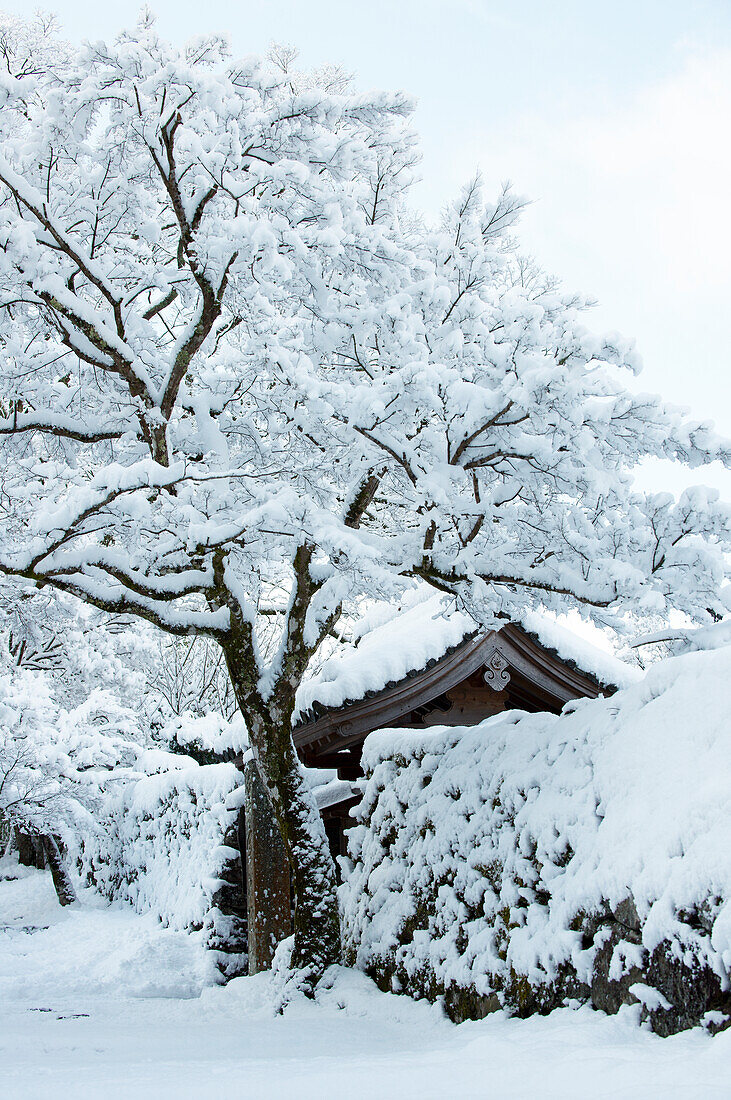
267, 875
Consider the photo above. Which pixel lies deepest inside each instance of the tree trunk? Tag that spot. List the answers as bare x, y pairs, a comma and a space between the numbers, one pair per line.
31, 852
316, 917
59, 874
267, 875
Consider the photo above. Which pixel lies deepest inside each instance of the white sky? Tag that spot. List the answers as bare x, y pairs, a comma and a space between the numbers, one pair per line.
612, 116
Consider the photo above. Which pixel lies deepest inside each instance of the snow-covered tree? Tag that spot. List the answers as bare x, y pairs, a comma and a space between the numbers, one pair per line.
243, 387
31, 47
82, 649
57, 764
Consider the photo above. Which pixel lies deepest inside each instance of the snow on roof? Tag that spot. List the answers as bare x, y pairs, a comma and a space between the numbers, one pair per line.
573, 649
407, 643
415, 636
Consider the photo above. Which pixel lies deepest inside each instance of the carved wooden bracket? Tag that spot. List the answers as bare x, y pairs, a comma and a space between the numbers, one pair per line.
496, 675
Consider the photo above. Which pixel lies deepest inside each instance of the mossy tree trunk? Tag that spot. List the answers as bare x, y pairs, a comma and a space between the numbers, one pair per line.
268, 883
269, 721
316, 918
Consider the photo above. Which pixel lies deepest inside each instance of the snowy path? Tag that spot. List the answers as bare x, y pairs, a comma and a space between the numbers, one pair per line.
98, 1002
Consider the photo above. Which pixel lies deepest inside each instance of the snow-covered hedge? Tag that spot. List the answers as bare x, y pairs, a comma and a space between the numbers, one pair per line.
534, 859
161, 848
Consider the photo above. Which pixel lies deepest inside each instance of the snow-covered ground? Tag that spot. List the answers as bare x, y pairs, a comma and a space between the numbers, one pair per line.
103, 1002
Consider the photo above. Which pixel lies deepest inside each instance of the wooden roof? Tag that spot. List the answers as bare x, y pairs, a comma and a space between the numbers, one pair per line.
529, 676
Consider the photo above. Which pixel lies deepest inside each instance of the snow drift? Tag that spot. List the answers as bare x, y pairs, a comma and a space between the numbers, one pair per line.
535, 859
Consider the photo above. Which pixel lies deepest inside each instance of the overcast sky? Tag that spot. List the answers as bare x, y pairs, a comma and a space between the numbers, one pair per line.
613, 117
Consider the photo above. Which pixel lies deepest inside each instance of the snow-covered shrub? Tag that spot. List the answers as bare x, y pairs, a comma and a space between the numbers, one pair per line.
208, 738
534, 858
162, 847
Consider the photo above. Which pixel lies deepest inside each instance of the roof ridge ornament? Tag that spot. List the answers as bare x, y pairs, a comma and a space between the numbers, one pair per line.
496, 674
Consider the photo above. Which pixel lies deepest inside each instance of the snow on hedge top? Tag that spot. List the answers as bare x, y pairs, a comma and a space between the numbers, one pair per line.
160, 844
211, 732
396, 641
